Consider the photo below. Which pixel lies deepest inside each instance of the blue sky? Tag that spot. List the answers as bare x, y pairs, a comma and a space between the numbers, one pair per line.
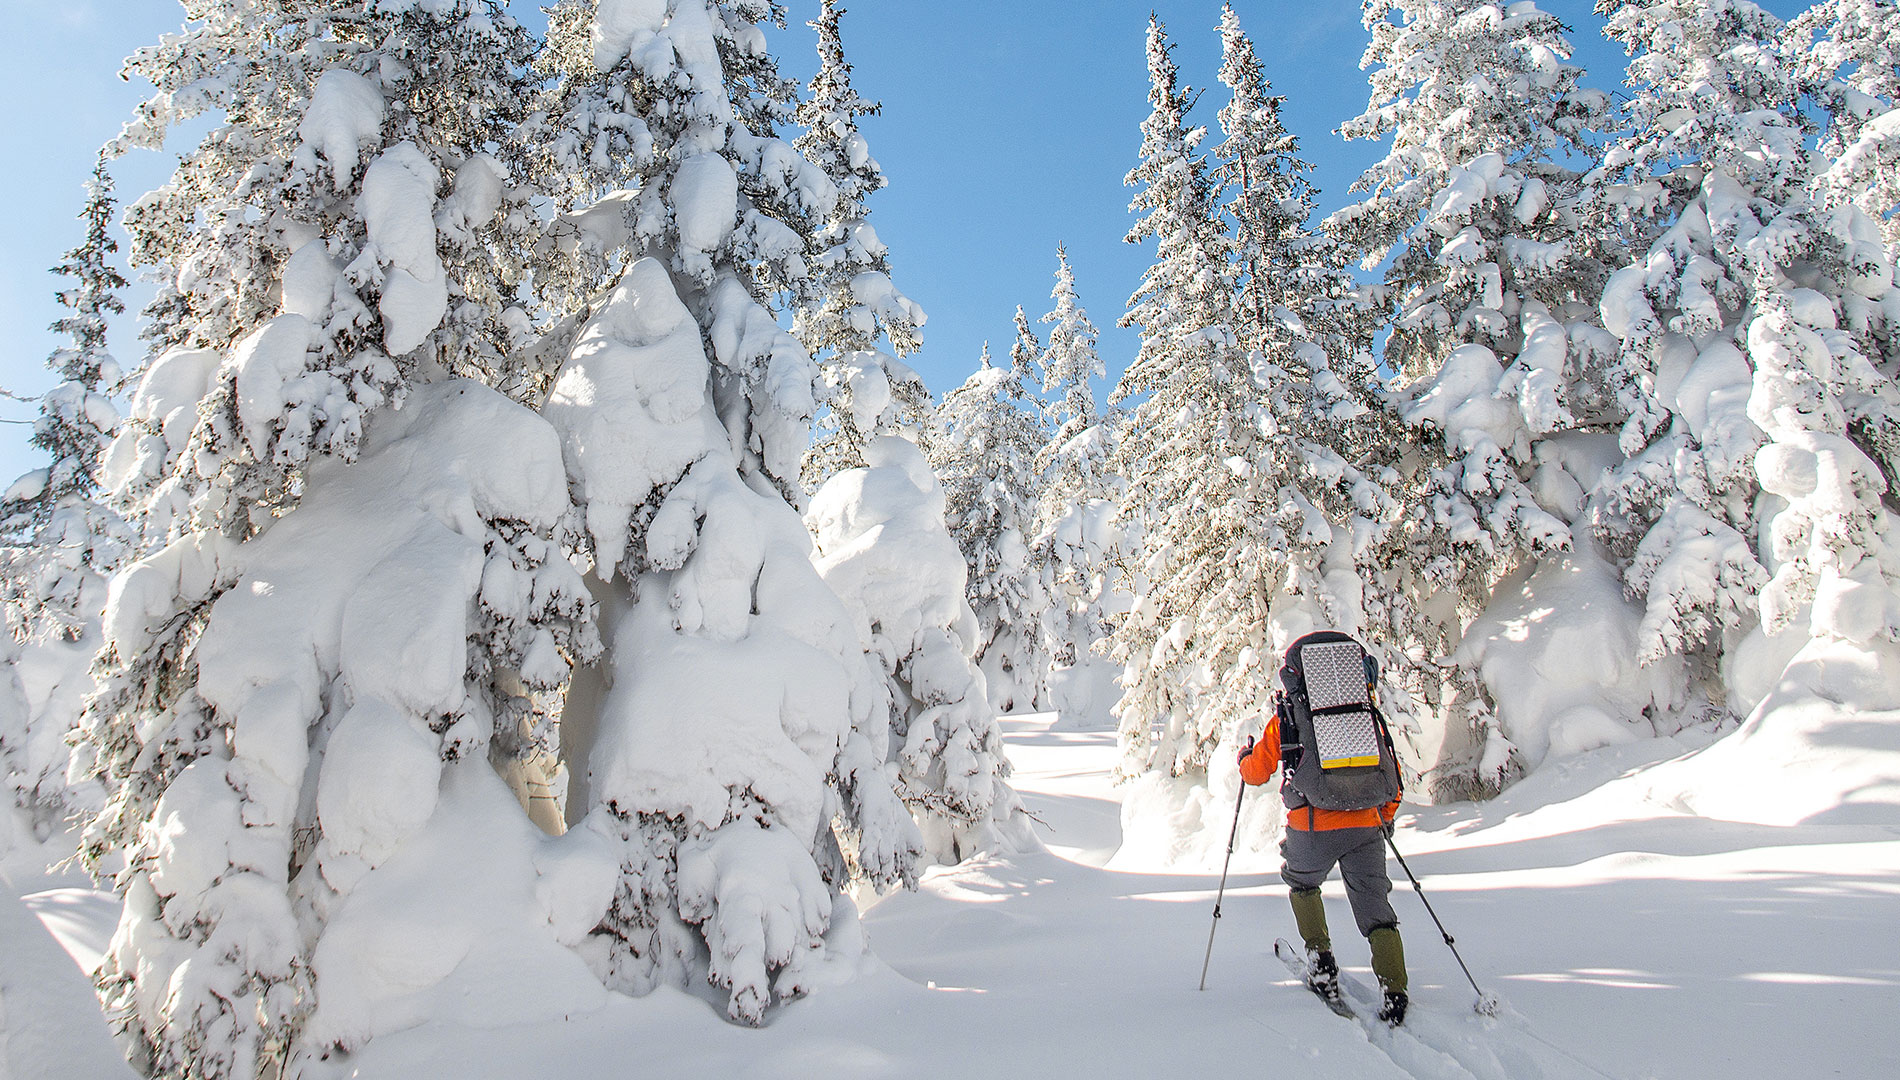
1007, 128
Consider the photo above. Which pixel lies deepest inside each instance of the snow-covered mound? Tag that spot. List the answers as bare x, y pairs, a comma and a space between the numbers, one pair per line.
50, 1025
1822, 748
1557, 650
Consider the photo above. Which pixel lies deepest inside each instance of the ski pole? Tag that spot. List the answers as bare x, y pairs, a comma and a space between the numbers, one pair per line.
1487, 1004
1218, 896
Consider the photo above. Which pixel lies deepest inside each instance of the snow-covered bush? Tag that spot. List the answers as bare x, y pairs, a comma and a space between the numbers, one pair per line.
883, 547
987, 435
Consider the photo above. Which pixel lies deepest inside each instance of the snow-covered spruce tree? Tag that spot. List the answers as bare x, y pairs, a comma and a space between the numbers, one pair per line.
1853, 72
950, 766
1068, 362
1253, 520
734, 742
314, 655
60, 540
1306, 326
1288, 276
1494, 272
1712, 323
1075, 535
849, 301
987, 435
1194, 644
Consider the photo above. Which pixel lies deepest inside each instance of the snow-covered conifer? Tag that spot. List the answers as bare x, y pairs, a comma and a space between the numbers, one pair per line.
289, 690
1075, 537
1714, 323
849, 301
61, 541
1069, 361
988, 433
1244, 461
1283, 266
369, 659
344, 231
883, 547
733, 742
1187, 451
1494, 271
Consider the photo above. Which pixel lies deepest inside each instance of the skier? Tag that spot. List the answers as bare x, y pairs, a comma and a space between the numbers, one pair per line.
1317, 838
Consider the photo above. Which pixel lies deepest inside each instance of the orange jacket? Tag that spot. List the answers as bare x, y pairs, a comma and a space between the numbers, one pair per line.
1259, 767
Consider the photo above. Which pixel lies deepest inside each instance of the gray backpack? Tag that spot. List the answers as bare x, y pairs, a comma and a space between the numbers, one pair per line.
1336, 753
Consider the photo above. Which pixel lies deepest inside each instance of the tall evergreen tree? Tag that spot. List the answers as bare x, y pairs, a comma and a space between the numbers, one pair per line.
1493, 272
312, 272
1069, 361
1284, 267
1247, 460
61, 541
1187, 451
1322, 473
849, 301
1074, 537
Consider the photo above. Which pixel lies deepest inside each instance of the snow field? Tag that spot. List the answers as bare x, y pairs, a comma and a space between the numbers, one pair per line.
1626, 939
50, 1026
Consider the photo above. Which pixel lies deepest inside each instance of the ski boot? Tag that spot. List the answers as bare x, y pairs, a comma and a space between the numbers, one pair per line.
1322, 975
1393, 1010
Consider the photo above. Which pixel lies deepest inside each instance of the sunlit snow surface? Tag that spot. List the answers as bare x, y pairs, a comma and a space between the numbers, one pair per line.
1626, 938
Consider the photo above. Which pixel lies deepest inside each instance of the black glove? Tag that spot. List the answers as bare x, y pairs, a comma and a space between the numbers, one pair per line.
1386, 828
1246, 751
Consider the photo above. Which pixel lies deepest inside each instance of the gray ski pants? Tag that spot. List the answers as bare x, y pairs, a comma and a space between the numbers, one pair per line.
1360, 855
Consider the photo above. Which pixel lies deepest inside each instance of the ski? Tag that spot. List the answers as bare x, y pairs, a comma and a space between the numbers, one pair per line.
1294, 958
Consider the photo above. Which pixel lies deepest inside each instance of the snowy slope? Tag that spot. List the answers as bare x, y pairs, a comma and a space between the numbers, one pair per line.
1626, 938
50, 1025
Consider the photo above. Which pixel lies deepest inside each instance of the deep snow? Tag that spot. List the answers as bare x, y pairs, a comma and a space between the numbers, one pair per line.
1626, 938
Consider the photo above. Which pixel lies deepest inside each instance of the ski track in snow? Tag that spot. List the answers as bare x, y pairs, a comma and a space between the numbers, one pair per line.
1431, 1047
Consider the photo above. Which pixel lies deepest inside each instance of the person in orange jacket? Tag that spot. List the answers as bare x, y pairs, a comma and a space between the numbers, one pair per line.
1315, 841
